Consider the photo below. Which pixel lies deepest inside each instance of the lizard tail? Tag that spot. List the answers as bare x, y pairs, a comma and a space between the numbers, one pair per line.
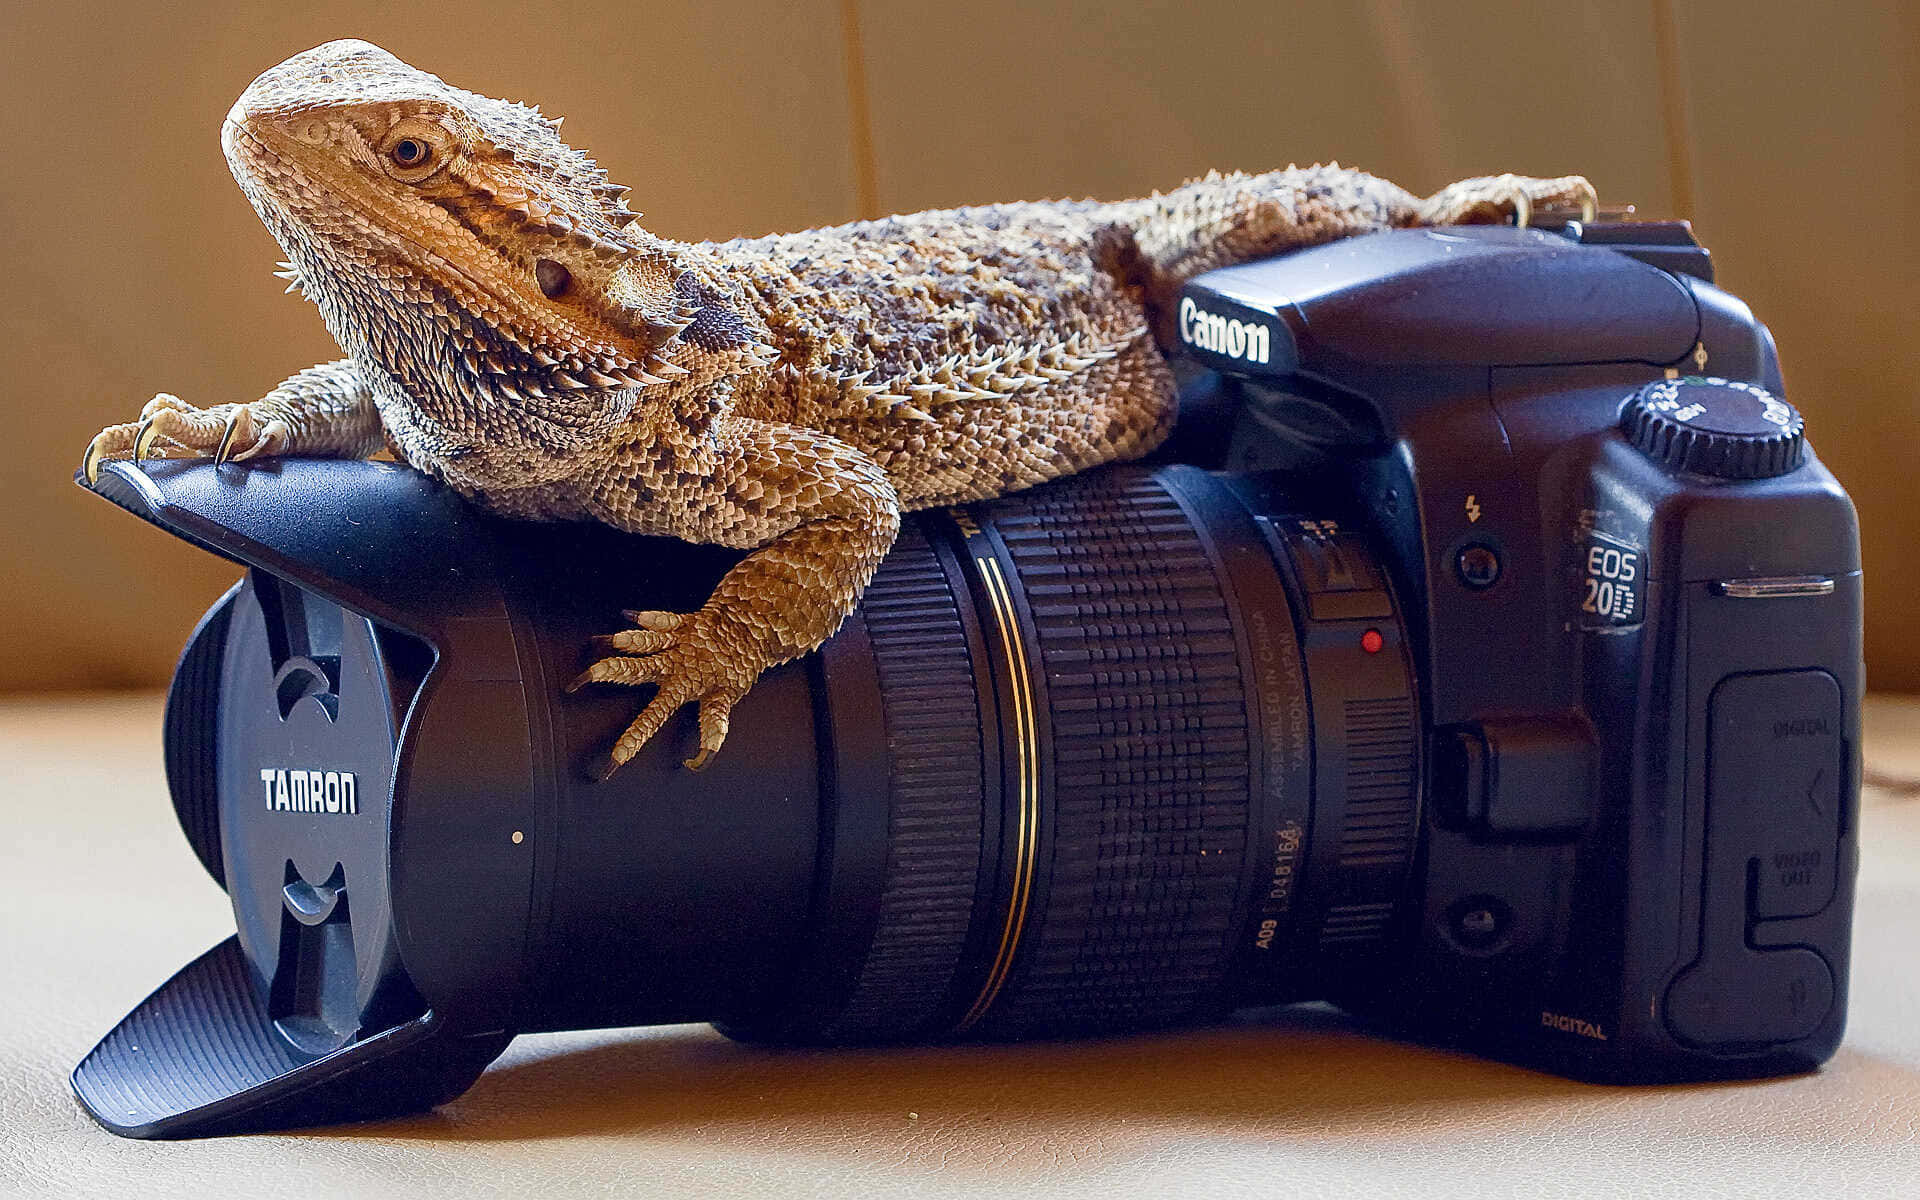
1226, 219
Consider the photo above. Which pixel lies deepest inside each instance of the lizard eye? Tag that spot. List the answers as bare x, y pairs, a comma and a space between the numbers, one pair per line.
415, 149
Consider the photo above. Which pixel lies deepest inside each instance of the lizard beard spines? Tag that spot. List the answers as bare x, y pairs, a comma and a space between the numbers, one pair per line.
513, 365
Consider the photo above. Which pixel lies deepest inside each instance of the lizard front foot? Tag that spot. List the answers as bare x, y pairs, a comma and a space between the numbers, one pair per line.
169, 427
701, 656
1492, 199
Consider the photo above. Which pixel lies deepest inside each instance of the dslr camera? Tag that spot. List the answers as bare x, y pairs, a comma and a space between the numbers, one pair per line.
1481, 655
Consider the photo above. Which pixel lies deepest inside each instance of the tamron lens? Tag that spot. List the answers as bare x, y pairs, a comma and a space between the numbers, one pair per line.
1449, 691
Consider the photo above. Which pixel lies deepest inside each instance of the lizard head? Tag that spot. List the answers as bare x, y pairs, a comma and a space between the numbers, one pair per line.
457, 243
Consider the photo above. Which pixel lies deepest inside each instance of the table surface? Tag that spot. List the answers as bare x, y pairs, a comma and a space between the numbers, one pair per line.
102, 901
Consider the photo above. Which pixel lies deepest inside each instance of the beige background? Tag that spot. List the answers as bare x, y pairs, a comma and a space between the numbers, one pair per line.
1300, 1102
133, 264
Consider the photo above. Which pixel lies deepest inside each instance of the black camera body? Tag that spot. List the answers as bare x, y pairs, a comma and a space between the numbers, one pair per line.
1636, 621
1483, 653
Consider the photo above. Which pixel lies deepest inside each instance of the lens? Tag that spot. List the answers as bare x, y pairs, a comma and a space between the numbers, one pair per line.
1149, 754
1124, 751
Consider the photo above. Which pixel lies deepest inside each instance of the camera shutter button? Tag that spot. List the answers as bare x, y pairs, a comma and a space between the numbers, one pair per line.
1711, 426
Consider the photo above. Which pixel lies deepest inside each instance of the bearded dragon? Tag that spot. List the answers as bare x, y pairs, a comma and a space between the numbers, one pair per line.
509, 330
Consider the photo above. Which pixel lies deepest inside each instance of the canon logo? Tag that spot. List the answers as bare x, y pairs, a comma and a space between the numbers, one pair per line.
1248, 341
310, 791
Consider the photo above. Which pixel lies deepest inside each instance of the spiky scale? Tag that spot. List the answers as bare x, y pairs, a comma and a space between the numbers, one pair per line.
663, 330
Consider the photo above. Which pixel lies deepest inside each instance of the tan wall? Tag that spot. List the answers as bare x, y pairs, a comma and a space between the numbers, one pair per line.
133, 263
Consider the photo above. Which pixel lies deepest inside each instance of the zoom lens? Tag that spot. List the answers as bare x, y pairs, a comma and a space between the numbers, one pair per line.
1123, 751
1149, 753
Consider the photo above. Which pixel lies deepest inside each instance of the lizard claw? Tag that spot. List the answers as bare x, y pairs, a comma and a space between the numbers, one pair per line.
601, 768
687, 656
271, 439
647, 618
111, 440
224, 450
159, 417
715, 716
1522, 208
169, 427
1509, 197
253, 437
629, 671
143, 438
634, 641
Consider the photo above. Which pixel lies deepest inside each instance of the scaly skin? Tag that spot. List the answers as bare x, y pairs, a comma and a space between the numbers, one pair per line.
509, 330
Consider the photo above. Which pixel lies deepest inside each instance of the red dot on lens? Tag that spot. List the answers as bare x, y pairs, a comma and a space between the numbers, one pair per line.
1371, 641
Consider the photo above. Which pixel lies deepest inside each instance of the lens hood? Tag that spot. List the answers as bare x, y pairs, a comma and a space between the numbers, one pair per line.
366, 749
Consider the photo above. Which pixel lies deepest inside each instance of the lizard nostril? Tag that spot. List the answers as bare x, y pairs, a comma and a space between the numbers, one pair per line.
553, 277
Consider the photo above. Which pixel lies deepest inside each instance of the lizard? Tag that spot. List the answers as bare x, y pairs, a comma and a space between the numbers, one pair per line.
510, 330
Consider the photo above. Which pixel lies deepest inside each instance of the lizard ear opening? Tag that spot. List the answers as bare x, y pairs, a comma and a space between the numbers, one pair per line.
553, 277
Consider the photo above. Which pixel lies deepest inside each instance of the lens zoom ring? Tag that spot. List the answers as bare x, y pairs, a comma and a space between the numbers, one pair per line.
934, 824
1150, 758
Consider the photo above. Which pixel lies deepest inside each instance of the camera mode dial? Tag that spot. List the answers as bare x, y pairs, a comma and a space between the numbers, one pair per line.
1712, 426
